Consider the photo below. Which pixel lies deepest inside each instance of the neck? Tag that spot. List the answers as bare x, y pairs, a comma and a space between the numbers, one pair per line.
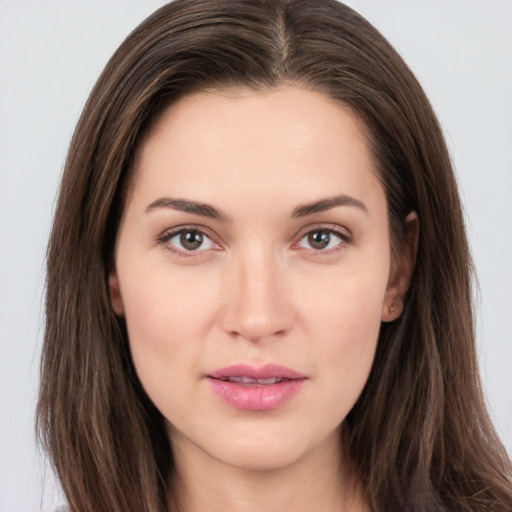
318, 481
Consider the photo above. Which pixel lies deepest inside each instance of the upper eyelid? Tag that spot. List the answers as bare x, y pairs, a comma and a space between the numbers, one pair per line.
169, 232
333, 228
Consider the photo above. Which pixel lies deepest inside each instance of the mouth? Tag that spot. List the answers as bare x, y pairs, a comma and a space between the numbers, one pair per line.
256, 388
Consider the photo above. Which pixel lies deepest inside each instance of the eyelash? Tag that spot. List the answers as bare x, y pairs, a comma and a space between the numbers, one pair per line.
164, 240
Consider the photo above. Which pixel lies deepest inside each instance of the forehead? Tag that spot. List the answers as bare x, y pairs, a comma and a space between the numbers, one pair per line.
211, 142
288, 115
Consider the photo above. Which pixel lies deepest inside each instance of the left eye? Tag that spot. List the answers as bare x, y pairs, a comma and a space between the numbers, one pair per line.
189, 240
321, 240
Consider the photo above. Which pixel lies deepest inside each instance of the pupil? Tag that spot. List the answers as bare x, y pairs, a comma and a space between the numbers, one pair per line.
319, 239
191, 240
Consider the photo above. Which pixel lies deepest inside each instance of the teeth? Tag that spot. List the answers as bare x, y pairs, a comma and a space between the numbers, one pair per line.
273, 380
253, 382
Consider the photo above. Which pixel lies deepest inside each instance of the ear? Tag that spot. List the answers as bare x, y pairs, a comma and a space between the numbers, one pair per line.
115, 294
400, 273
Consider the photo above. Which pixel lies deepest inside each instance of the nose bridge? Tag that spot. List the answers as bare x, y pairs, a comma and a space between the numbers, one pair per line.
257, 304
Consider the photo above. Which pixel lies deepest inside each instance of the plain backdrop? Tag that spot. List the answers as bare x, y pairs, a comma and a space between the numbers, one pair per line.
51, 53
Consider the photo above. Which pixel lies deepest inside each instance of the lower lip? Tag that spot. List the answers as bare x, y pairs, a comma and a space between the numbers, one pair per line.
256, 398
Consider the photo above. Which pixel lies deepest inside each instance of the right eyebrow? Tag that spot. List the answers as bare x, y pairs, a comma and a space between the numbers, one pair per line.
185, 205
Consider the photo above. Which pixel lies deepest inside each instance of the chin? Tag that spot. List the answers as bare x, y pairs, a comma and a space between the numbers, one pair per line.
261, 458
265, 450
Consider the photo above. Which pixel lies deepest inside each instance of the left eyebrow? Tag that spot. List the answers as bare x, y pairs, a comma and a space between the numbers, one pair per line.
326, 204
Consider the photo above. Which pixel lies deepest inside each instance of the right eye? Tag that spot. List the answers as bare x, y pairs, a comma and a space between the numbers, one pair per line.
187, 240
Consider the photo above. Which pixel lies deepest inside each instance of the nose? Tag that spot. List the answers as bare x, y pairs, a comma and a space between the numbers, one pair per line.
258, 301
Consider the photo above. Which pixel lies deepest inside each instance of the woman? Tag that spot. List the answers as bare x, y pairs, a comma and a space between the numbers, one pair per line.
258, 278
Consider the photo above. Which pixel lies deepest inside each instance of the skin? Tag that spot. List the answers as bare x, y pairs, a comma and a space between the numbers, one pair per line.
257, 290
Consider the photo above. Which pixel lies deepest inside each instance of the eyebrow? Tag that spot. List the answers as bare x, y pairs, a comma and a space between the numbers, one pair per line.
206, 210
327, 204
185, 205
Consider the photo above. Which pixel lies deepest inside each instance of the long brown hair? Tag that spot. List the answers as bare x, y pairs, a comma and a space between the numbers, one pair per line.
419, 437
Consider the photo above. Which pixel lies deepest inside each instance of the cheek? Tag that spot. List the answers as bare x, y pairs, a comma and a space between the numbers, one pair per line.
163, 307
346, 303
167, 318
351, 329
344, 324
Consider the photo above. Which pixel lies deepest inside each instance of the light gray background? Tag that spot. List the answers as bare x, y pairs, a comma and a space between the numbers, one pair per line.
52, 51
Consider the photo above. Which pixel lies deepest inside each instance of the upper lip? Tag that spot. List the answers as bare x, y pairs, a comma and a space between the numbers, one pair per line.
267, 371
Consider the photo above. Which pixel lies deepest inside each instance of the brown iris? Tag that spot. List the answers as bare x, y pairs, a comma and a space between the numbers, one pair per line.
191, 240
319, 239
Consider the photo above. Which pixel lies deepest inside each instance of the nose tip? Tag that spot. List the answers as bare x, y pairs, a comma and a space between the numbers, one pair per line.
258, 306
255, 328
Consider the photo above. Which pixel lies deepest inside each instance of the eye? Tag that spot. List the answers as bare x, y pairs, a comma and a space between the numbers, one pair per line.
187, 240
323, 239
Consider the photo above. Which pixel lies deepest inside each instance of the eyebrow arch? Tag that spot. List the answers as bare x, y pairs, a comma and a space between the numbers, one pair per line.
185, 205
327, 204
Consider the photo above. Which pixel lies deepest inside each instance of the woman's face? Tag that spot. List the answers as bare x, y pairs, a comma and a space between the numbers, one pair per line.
252, 267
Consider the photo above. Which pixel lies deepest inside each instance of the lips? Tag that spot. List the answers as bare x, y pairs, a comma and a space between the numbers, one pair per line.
256, 388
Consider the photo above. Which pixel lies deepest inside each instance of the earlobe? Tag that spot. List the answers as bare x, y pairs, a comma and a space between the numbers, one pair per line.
400, 274
391, 310
115, 294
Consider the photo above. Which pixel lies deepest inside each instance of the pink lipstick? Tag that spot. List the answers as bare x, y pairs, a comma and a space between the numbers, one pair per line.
256, 388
